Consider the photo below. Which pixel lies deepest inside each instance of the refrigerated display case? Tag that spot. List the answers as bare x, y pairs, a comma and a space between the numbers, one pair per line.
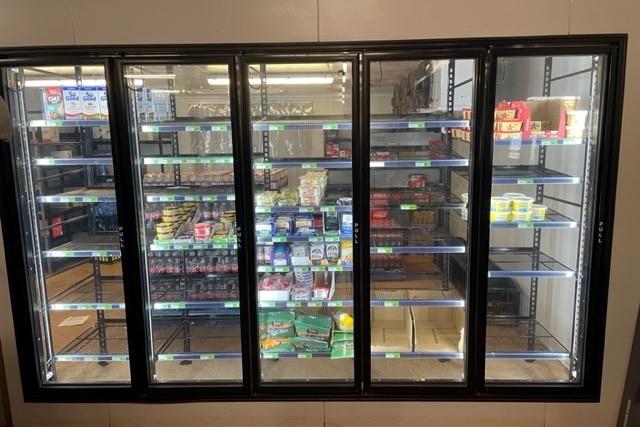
301, 121
65, 177
415, 228
546, 144
416, 220
185, 194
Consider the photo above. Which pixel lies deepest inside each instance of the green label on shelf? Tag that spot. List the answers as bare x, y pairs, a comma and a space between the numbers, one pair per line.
316, 239
549, 142
219, 127
121, 358
318, 268
376, 164
268, 304
525, 225
264, 269
192, 128
294, 304
335, 268
270, 356
305, 355
232, 304
408, 207
279, 239
147, 128
276, 127
91, 199
176, 306
166, 198
207, 356
224, 160
525, 181
314, 303
330, 126
99, 253
304, 209
423, 164
332, 239
262, 165
392, 304
489, 275
191, 198
416, 125
384, 250
334, 303
46, 162
183, 246
263, 209
309, 165
392, 355
301, 269
328, 208
167, 357
281, 269
191, 161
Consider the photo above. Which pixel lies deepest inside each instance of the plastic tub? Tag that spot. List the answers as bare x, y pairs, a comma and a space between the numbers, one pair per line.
500, 204
521, 216
538, 212
499, 216
522, 204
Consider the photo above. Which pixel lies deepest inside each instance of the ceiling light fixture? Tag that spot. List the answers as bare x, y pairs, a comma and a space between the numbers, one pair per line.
300, 80
150, 76
65, 82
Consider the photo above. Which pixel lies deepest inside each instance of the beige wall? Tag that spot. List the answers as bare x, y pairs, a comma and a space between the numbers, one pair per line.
69, 22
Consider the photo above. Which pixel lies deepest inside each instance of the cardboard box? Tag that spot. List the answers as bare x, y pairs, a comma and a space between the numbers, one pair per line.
549, 110
438, 329
391, 329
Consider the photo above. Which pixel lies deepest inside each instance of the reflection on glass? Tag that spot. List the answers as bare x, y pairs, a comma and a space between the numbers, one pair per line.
420, 140
302, 183
64, 144
186, 194
545, 128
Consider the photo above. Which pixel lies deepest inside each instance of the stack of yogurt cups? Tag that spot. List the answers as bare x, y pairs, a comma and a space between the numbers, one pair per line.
516, 207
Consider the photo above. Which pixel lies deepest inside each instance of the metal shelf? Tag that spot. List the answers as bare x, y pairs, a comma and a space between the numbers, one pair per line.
522, 175
302, 269
552, 220
188, 194
522, 339
524, 262
417, 124
82, 295
67, 123
541, 141
174, 246
186, 126
199, 340
86, 247
452, 162
302, 209
418, 355
312, 163
189, 160
195, 305
313, 239
73, 161
81, 196
89, 346
411, 297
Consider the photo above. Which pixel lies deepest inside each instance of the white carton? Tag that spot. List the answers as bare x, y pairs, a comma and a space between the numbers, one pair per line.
89, 100
72, 102
102, 103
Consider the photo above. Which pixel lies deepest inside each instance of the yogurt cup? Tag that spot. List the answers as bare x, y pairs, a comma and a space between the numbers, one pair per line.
500, 204
538, 212
522, 204
521, 216
499, 216
202, 230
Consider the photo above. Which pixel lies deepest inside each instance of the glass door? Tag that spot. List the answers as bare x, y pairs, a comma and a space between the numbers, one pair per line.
183, 147
301, 121
545, 140
62, 147
419, 151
